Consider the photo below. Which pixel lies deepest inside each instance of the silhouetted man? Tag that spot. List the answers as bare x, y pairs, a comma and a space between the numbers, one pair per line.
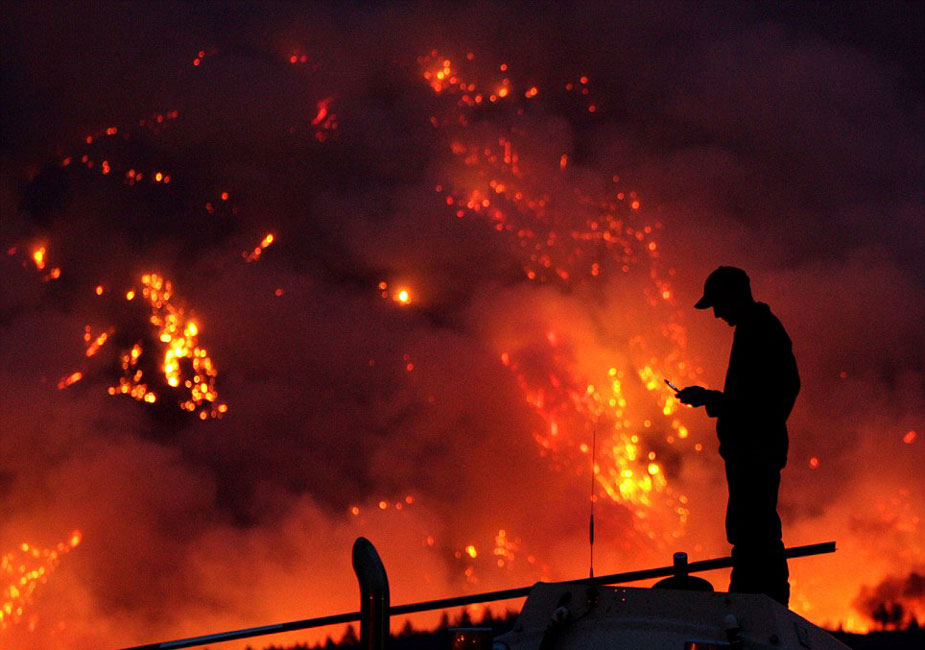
751, 415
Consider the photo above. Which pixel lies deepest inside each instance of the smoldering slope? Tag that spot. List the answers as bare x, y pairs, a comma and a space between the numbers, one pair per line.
790, 148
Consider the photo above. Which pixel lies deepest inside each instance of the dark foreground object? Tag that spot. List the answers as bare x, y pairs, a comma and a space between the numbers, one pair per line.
373, 580
898, 640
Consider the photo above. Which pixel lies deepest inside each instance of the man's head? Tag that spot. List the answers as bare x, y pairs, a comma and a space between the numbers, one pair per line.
728, 291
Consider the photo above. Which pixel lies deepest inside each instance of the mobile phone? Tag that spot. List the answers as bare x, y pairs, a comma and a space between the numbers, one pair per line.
673, 387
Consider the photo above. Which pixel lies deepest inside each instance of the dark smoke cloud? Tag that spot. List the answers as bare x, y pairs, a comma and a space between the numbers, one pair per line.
907, 590
787, 140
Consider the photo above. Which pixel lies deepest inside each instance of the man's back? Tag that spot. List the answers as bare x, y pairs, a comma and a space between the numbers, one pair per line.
762, 383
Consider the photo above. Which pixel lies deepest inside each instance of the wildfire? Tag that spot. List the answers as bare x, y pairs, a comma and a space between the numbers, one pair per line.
565, 234
184, 361
24, 569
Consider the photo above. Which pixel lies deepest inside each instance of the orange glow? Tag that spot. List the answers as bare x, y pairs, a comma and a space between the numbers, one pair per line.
70, 379
38, 256
23, 570
185, 364
402, 297
94, 344
254, 255
910, 437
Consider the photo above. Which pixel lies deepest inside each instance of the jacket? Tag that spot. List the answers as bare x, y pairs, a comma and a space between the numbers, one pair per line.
761, 386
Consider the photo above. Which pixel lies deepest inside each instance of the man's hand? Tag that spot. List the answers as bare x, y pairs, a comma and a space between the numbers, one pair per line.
695, 395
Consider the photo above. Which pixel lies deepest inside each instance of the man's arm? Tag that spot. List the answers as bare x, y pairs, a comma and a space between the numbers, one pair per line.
700, 396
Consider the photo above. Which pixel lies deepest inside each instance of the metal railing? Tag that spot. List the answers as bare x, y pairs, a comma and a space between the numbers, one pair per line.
376, 610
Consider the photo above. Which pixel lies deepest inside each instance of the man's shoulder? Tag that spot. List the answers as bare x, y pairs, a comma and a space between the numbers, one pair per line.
763, 323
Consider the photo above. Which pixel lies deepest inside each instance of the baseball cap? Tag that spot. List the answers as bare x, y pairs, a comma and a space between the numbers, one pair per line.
724, 281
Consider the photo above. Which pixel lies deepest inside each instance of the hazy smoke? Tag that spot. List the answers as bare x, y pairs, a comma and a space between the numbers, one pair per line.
908, 591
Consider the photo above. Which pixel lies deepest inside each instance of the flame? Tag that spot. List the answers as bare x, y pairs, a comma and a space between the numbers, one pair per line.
24, 569
492, 180
185, 364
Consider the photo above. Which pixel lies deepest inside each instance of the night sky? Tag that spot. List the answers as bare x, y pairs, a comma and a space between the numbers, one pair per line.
489, 226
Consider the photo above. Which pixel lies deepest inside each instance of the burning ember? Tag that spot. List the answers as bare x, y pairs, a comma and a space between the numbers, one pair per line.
185, 363
568, 233
24, 569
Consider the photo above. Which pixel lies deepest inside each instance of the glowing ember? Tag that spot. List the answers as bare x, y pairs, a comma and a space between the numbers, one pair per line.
24, 569
70, 379
39, 256
184, 362
254, 255
324, 122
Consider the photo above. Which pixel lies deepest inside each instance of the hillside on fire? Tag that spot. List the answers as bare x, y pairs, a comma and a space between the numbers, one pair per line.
275, 276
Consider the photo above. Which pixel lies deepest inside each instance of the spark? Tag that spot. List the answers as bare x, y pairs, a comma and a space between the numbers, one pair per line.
38, 256
254, 255
324, 122
73, 378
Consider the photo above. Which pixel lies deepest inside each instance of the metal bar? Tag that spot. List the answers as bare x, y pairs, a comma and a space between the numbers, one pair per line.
444, 603
291, 626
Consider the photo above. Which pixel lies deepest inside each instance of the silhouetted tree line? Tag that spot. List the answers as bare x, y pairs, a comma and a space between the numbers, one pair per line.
413, 639
899, 630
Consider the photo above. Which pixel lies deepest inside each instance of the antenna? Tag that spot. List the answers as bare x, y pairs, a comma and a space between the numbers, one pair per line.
591, 526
